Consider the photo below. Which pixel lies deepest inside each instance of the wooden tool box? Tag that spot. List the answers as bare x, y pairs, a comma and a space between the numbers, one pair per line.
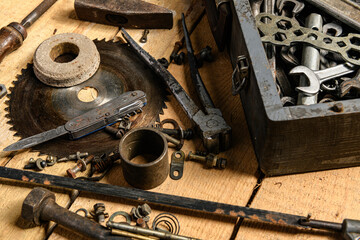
289, 139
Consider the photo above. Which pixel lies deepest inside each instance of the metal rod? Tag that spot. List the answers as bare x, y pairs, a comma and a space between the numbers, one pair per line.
47, 180
37, 12
310, 58
147, 232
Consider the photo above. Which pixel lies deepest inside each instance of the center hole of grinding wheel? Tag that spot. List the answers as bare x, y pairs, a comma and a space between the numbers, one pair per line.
87, 94
64, 52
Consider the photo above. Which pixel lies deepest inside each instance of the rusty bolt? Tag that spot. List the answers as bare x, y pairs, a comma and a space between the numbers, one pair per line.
210, 160
118, 133
141, 211
99, 212
185, 134
33, 204
80, 166
178, 144
338, 107
76, 156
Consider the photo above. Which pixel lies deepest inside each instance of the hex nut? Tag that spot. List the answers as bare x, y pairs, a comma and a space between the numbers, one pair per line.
80, 60
145, 209
33, 204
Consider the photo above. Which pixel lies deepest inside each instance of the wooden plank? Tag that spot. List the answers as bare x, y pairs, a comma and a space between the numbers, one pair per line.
327, 195
233, 185
59, 17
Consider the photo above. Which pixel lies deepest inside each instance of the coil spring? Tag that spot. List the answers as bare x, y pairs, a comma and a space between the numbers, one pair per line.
101, 164
168, 220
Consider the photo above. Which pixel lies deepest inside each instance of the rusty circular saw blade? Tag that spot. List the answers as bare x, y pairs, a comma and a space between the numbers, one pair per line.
35, 107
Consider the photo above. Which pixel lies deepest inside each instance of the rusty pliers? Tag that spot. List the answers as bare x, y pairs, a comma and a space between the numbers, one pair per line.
214, 131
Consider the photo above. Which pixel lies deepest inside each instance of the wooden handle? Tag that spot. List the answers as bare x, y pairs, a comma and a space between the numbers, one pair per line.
10, 40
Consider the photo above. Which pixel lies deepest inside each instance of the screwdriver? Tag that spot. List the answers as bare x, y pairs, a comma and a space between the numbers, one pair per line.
13, 35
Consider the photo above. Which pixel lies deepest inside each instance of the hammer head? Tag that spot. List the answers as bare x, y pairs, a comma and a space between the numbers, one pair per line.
314, 82
33, 204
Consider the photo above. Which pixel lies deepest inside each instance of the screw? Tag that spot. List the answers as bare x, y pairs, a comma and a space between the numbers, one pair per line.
338, 107
118, 133
177, 58
80, 166
210, 160
143, 38
99, 212
204, 55
186, 134
141, 211
177, 47
178, 144
76, 156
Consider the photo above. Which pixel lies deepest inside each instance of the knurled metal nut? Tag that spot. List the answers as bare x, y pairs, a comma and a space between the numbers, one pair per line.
84, 63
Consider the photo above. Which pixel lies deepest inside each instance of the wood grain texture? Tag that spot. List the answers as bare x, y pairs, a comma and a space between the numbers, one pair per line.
233, 185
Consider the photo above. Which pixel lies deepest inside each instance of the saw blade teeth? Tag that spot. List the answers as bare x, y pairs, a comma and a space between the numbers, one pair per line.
112, 50
16, 134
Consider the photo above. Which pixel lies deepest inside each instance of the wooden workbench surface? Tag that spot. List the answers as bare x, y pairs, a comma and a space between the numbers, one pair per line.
327, 195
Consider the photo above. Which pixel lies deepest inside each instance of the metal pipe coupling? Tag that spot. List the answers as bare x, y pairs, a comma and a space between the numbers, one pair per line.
144, 154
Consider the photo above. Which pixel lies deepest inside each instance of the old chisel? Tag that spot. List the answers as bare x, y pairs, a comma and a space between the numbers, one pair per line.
92, 121
13, 35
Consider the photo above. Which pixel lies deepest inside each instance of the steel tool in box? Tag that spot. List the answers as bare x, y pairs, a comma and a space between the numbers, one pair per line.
286, 139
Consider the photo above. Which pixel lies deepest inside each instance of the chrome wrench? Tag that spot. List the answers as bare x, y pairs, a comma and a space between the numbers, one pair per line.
316, 78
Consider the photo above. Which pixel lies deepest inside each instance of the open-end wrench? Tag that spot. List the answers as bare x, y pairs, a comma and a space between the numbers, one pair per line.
316, 78
214, 131
294, 6
256, 6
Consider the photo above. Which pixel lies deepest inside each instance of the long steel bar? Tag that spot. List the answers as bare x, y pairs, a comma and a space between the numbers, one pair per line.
152, 197
37, 12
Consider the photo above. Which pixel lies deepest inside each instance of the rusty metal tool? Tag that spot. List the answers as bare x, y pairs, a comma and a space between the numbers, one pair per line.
39, 206
13, 35
124, 13
350, 229
213, 129
92, 121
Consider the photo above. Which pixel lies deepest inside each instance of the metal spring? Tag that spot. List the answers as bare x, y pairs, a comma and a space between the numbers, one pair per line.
103, 163
169, 220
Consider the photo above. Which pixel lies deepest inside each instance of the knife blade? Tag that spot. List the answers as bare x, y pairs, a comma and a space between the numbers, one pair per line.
89, 122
